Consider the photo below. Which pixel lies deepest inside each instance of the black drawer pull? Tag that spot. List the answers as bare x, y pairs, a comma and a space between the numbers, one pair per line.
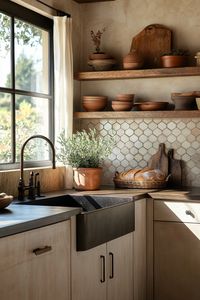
40, 251
189, 213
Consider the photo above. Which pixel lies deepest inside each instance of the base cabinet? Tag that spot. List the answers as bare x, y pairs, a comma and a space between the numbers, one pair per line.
176, 261
104, 272
36, 264
176, 251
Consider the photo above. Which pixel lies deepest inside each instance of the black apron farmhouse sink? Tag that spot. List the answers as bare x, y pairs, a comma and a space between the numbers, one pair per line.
103, 218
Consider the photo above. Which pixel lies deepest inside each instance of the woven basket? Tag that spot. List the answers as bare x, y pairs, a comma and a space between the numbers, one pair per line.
140, 184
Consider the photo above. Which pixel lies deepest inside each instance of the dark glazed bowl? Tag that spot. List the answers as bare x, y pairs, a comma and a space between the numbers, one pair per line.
152, 105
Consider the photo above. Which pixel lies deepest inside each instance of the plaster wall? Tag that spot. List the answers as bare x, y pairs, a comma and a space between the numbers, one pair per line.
123, 19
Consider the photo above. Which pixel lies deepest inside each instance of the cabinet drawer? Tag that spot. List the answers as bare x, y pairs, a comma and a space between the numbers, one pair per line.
176, 211
19, 248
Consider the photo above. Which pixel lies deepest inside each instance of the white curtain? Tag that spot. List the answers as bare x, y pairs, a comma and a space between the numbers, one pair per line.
63, 65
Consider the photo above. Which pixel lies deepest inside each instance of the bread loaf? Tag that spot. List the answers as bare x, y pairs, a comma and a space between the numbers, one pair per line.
145, 174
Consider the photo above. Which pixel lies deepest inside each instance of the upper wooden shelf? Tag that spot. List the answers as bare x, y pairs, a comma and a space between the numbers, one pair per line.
137, 114
145, 73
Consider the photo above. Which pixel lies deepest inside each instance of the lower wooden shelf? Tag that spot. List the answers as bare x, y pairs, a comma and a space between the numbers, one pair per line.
138, 114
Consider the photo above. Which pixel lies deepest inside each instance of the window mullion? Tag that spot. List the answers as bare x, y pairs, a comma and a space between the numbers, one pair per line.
13, 123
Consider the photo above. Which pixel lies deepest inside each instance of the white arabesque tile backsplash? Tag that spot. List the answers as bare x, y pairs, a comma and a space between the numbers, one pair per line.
137, 140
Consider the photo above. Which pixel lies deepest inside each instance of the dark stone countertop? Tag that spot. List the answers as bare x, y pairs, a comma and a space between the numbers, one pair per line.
19, 218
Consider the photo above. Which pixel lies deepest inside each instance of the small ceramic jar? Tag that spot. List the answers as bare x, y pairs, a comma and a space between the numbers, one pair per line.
133, 60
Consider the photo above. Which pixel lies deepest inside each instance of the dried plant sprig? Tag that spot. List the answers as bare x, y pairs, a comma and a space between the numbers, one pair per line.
96, 38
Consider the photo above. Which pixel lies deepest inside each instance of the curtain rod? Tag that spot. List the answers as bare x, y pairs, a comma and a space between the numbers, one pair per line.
59, 12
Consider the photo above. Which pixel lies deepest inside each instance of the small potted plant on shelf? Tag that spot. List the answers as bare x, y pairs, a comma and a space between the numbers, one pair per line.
174, 58
85, 151
100, 61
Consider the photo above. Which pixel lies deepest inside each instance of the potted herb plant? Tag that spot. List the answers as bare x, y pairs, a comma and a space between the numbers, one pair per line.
174, 58
85, 151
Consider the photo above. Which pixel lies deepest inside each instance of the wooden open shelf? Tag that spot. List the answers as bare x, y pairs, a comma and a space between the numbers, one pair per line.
145, 73
137, 114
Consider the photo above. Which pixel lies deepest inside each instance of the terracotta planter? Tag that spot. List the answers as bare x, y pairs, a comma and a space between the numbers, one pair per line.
173, 61
87, 179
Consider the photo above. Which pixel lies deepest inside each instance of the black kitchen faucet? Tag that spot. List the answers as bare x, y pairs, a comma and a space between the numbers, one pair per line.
34, 186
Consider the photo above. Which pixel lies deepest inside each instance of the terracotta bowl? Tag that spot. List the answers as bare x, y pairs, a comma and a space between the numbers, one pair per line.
183, 102
122, 105
94, 105
152, 105
125, 97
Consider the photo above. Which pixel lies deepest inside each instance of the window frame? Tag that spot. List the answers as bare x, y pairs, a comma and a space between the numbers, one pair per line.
14, 10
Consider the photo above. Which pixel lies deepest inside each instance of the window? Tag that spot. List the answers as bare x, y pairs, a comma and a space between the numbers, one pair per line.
26, 83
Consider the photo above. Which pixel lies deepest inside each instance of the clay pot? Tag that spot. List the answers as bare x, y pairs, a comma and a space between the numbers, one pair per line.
133, 60
100, 55
173, 61
87, 179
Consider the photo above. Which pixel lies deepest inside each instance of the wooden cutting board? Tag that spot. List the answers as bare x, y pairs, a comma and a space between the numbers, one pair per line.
175, 170
159, 160
151, 42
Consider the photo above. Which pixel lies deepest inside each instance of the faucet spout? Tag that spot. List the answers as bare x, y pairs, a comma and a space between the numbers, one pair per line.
22, 152
22, 187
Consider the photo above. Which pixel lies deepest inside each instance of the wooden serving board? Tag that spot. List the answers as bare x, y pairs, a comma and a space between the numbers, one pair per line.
175, 170
159, 160
151, 43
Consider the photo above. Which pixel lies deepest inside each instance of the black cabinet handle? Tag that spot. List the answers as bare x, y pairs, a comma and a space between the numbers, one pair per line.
189, 213
103, 268
40, 251
111, 255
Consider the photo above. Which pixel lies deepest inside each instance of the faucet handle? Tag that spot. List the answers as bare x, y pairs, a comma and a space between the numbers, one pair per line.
31, 188
21, 189
37, 185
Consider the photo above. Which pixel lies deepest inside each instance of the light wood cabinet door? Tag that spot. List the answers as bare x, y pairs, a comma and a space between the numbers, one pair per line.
35, 265
120, 268
176, 261
89, 274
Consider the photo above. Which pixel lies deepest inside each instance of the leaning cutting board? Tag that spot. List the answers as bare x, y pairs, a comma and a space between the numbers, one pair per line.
159, 160
152, 42
175, 170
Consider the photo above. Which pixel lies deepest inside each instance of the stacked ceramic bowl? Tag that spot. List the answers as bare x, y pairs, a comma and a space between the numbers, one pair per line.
94, 103
123, 102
